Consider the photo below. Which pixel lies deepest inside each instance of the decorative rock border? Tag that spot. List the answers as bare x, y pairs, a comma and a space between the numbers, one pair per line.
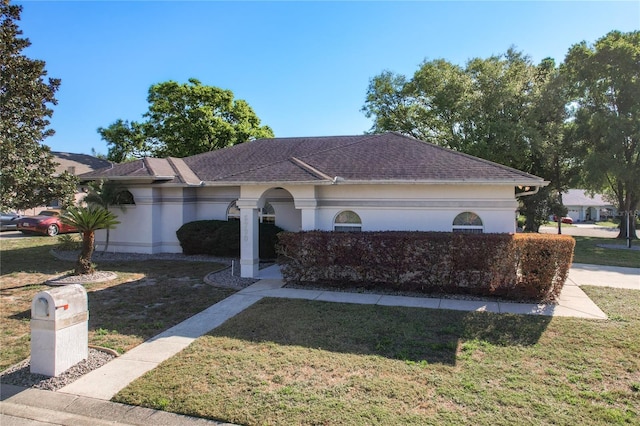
109, 351
96, 277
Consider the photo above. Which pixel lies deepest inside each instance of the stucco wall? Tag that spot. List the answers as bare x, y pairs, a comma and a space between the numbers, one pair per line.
150, 225
417, 207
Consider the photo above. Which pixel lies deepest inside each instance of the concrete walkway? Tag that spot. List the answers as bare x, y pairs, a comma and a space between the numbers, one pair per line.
85, 401
604, 276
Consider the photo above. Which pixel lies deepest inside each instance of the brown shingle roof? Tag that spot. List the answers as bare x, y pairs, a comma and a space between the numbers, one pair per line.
383, 157
77, 163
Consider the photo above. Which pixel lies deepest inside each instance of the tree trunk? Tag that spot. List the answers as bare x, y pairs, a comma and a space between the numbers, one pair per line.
84, 265
624, 221
628, 205
106, 244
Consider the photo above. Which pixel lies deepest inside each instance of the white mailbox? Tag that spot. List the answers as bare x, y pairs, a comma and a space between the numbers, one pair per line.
59, 329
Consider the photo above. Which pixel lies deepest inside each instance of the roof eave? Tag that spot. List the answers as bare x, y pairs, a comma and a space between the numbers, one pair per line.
135, 179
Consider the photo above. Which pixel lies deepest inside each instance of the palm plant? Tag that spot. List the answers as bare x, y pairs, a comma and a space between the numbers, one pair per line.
88, 220
106, 194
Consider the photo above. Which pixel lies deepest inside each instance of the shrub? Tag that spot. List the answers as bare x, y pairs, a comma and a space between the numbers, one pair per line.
518, 267
69, 242
222, 238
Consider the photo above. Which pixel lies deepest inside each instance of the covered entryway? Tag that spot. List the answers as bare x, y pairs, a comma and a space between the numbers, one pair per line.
294, 209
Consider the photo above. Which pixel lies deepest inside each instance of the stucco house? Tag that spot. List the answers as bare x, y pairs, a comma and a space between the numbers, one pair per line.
583, 207
345, 183
73, 163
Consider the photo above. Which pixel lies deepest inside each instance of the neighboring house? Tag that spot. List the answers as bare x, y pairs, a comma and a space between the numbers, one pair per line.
583, 207
75, 164
343, 183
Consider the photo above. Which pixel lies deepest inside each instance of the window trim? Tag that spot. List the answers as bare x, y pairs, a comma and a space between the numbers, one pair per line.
263, 215
347, 226
471, 227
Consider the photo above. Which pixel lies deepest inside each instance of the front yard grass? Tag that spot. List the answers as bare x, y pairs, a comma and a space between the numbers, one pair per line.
587, 250
145, 299
304, 362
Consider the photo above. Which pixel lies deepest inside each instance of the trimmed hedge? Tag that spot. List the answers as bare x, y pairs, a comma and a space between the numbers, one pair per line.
530, 267
222, 238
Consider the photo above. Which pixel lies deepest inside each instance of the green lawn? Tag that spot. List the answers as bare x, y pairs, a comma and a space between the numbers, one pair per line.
124, 312
303, 362
587, 251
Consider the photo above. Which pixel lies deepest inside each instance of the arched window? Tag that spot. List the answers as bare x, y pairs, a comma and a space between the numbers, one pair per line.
468, 222
124, 197
347, 221
266, 215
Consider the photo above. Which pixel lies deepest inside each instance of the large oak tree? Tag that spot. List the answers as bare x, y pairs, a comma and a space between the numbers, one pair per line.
491, 108
27, 166
184, 120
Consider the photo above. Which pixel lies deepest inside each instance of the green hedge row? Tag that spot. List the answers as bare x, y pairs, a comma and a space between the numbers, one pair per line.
530, 267
222, 238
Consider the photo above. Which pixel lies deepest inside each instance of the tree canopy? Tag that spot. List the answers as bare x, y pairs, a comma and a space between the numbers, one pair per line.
183, 120
573, 124
27, 166
492, 108
605, 81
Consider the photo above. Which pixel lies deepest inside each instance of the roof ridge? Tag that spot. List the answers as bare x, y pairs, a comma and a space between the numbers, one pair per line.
359, 140
183, 171
288, 159
464, 154
310, 168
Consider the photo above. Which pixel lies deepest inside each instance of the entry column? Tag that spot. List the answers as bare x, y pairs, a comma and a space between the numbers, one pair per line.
249, 247
308, 213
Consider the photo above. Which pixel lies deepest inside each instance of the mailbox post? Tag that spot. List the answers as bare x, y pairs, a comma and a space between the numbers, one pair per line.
59, 329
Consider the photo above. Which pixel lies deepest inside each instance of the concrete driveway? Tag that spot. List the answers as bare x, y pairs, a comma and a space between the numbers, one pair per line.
582, 230
12, 234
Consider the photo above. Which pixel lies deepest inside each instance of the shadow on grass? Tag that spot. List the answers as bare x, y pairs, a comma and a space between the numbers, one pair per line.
147, 297
410, 334
34, 257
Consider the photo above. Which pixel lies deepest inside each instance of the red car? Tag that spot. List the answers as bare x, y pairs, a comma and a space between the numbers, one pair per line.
47, 222
565, 219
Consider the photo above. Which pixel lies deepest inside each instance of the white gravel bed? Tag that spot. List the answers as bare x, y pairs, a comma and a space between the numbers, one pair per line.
20, 374
99, 256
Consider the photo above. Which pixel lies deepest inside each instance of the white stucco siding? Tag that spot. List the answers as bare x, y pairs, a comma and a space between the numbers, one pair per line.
418, 207
135, 233
287, 217
213, 202
150, 225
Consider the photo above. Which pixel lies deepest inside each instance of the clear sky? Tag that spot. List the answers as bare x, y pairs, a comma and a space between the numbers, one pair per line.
304, 67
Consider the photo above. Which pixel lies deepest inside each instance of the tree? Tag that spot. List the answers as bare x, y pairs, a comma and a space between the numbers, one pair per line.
184, 120
556, 153
487, 109
27, 167
106, 194
606, 86
88, 220
126, 141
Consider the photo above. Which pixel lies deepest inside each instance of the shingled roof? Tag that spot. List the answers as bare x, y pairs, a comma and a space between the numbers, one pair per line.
77, 164
388, 157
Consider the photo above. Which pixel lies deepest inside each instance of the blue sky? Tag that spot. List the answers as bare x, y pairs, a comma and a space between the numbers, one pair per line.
304, 67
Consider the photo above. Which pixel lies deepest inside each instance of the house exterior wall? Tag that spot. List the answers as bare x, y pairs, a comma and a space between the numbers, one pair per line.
418, 207
150, 225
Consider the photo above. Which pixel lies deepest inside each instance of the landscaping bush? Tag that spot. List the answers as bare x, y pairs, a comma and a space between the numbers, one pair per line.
222, 238
517, 267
